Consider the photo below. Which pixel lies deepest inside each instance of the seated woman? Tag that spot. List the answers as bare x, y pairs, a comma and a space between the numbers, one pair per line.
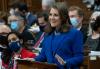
15, 49
93, 41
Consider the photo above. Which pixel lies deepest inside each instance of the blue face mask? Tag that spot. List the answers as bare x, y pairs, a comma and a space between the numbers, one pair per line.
14, 25
14, 46
74, 22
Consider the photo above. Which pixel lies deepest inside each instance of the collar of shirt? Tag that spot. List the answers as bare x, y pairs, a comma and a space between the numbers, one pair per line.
27, 14
79, 27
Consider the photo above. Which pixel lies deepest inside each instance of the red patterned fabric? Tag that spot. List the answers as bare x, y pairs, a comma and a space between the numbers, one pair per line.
24, 54
27, 54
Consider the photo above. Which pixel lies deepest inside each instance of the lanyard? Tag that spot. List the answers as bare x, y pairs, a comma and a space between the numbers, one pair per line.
37, 44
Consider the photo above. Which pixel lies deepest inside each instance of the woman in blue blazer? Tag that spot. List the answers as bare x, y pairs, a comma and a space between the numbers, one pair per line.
63, 45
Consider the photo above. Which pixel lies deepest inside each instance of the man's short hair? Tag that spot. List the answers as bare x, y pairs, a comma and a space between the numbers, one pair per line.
22, 6
78, 9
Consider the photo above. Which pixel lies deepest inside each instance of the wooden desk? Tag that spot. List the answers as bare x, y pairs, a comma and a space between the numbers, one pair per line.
34, 65
94, 64
91, 64
87, 64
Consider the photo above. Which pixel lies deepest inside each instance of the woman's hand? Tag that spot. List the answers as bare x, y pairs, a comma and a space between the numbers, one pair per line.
29, 59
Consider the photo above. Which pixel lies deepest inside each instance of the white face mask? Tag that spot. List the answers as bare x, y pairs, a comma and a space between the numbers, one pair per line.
74, 22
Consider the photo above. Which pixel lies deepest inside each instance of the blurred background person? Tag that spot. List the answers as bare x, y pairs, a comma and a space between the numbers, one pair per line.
76, 15
18, 24
92, 20
93, 40
15, 50
20, 8
46, 4
4, 30
42, 18
40, 29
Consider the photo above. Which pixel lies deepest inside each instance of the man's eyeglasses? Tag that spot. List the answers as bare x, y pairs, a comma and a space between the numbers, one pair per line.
15, 20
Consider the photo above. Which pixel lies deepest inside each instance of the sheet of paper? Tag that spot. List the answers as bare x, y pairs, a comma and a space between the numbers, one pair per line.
94, 53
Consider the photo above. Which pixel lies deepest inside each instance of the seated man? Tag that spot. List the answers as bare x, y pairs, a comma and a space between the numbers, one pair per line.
18, 24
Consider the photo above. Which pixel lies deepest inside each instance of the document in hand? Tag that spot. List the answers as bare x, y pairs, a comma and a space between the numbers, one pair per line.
60, 60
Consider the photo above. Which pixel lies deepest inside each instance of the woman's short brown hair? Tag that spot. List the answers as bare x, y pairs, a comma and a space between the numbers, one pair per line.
78, 9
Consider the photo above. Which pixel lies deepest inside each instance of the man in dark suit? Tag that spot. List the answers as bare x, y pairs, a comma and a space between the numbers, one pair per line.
76, 18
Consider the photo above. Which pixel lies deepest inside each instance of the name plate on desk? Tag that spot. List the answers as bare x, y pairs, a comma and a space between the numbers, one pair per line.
92, 57
24, 64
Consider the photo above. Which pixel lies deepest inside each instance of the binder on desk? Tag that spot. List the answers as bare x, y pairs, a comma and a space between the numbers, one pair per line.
24, 64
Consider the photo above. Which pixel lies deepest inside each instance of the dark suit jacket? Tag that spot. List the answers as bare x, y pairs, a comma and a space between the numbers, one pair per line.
84, 31
31, 19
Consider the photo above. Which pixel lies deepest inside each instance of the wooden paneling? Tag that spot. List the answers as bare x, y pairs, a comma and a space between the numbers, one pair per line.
60, 0
36, 5
3, 5
32, 4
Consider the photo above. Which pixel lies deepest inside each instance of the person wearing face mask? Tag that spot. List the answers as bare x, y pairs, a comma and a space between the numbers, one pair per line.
4, 30
18, 24
15, 22
76, 17
3, 43
92, 20
14, 25
16, 45
42, 25
20, 8
93, 40
16, 50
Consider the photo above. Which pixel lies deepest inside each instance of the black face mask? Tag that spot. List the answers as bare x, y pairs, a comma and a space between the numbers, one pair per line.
42, 27
3, 40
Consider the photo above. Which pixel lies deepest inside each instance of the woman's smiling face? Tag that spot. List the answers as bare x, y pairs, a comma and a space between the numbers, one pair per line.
54, 18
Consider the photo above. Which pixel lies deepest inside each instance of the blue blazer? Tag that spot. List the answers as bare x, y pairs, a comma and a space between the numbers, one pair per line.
68, 45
